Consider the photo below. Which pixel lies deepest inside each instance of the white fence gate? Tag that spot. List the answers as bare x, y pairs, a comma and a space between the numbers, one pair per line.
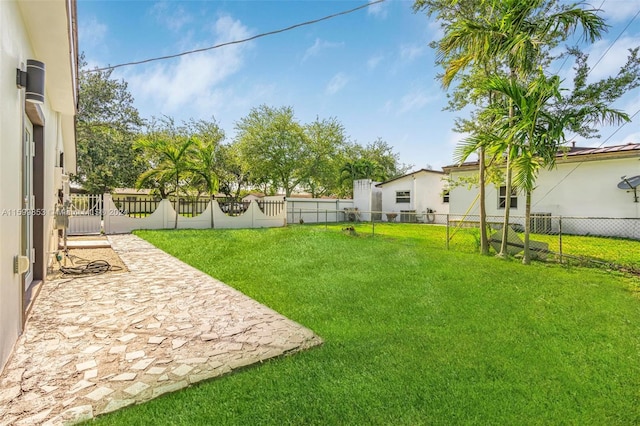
85, 214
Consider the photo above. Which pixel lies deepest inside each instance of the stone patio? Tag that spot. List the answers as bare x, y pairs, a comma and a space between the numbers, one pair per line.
96, 344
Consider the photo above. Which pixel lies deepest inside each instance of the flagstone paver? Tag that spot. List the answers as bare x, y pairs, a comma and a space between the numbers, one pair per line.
96, 344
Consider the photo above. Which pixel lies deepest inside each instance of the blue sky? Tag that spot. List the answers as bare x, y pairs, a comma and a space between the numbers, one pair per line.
372, 69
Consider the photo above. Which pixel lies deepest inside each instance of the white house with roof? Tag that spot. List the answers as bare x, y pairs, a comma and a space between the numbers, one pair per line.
38, 98
584, 184
410, 196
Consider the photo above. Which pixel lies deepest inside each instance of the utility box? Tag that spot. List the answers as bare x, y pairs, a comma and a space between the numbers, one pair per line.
61, 219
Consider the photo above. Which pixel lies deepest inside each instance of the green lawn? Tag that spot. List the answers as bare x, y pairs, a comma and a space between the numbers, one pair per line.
414, 334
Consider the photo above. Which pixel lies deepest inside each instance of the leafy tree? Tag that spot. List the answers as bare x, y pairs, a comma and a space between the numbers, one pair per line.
376, 161
517, 34
274, 147
107, 125
233, 175
327, 141
386, 163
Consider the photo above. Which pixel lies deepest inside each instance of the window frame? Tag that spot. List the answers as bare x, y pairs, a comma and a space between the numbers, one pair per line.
403, 197
502, 195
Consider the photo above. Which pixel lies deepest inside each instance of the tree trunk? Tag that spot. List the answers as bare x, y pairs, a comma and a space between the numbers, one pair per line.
484, 241
212, 198
177, 207
507, 207
526, 258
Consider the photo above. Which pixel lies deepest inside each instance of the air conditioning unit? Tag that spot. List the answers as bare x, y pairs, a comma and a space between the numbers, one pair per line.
540, 223
408, 216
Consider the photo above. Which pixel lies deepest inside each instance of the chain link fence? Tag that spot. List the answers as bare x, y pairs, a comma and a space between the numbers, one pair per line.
593, 241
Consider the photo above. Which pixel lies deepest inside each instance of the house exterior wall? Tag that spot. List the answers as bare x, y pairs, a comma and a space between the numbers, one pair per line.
425, 190
572, 189
24, 36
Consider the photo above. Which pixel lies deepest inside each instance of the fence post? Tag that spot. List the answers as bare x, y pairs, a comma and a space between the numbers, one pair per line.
373, 224
560, 236
447, 231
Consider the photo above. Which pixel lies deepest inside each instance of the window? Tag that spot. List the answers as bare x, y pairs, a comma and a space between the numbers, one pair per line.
502, 196
403, 197
445, 196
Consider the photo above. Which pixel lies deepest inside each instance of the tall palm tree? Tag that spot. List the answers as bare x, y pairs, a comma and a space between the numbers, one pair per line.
517, 33
535, 129
172, 161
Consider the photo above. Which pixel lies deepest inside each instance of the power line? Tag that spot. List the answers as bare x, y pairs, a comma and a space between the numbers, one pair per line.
567, 56
582, 162
204, 49
617, 38
619, 127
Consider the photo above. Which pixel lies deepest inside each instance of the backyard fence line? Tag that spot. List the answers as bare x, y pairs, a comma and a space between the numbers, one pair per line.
566, 239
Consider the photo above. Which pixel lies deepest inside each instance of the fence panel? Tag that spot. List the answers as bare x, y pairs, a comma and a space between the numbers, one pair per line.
85, 214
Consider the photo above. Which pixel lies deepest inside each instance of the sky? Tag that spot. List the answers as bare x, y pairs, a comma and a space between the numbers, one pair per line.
372, 70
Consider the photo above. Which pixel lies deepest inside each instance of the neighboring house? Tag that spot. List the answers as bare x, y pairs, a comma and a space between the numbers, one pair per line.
254, 196
410, 196
38, 98
132, 194
584, 183
419, 192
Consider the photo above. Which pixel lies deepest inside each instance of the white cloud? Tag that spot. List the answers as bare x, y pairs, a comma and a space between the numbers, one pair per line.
410, 52
318, 46
91, 33
414, 100
171, 14
611, 61
379, 10
618, 11
193, 80
337, 83
374, 61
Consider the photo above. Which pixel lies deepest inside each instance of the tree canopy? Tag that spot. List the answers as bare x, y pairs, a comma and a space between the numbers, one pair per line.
107, 125
497, 54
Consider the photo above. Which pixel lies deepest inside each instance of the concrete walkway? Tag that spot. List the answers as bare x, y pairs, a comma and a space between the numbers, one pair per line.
96, 344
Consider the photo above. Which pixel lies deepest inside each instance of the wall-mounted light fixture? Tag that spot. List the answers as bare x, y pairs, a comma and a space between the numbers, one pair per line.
32, 80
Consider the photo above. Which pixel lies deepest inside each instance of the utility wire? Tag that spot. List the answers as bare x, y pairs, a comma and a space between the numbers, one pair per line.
619, 127
204, 49
567, 56
617, 38
582, 162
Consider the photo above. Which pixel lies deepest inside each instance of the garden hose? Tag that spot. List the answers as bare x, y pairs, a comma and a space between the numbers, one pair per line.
90, 268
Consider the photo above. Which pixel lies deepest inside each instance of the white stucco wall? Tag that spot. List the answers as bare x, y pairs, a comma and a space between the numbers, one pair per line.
21, 38
14, 50
364, 194
587, 189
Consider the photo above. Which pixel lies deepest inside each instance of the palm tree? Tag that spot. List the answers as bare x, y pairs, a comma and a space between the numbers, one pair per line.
516, 33
172, 164
536, 129
203, 164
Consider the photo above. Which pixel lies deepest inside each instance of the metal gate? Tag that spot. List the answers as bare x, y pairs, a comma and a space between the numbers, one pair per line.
85, 214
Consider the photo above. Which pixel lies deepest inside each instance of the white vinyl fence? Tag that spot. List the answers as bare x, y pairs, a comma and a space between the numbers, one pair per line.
164, 217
